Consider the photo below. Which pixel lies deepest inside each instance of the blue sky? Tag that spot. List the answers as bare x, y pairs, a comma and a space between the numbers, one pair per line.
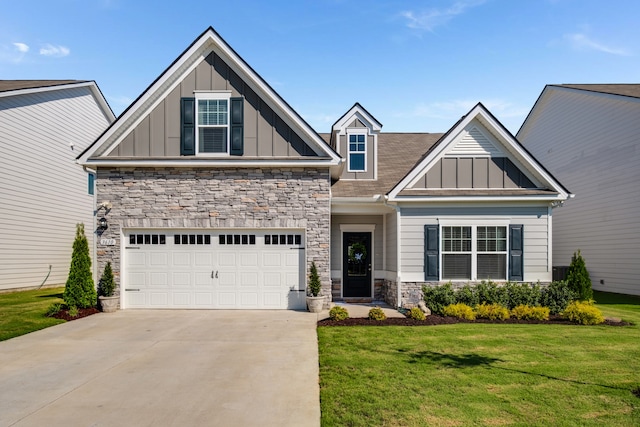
417, 66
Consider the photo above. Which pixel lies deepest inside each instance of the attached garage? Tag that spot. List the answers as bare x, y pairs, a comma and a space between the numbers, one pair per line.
214, 269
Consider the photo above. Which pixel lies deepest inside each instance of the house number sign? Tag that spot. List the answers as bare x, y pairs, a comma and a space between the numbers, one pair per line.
108, 242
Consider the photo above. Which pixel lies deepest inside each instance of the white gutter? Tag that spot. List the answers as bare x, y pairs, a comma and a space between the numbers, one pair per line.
410, 199
207, 163
95, 236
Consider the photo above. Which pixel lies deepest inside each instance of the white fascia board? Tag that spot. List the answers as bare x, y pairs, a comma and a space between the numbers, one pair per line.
206, 162
356, 112
359, 205
181, 68
429, 199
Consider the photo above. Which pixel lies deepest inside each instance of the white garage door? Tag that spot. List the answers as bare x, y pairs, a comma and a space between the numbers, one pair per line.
228, 269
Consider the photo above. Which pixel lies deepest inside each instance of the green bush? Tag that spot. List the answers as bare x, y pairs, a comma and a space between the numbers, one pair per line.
578, 277
73, 311
338, 313
492, 311
54, 309
557, 296
377, 314
79, 290
416, 314
461, 311
522, 294
467, 295
314, 281
106, 285
583, 312
437, 297
489, 292
527, 312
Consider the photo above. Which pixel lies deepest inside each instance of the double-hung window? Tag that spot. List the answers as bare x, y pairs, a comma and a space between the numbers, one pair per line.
473, 252
212, 122
357, 152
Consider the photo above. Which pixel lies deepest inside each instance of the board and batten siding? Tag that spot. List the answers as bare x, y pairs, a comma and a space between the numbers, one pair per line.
533, 218
336, 240
44, 192
265, 133
590, 143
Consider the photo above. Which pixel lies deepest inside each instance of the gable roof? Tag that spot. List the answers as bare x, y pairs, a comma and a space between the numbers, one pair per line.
512, 148
359, 112
25, 87
207, 42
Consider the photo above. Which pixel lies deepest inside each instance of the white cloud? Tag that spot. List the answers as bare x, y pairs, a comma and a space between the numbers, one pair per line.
23, 48
430, 19
54, 51
581, 41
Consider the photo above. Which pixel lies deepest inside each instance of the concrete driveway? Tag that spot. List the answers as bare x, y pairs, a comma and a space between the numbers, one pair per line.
164, 368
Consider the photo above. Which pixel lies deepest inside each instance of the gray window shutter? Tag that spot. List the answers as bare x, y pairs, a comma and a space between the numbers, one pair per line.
516, 260
431, 253
237, 126
187, 126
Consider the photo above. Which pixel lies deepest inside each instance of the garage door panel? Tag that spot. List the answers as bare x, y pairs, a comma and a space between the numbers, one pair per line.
159, 279
206, 268
181, 279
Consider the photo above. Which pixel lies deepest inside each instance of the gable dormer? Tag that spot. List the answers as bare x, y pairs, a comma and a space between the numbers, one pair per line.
355, 137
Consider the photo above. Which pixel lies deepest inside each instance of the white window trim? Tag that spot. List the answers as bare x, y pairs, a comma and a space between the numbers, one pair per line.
474, 224
218, 94
357, 131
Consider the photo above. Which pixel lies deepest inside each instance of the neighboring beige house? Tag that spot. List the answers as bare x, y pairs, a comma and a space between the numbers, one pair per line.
44, 125
587, 136
222, 196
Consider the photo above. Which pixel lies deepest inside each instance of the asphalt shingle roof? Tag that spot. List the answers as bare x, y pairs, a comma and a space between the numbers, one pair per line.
632, 90
398, 153
9, 85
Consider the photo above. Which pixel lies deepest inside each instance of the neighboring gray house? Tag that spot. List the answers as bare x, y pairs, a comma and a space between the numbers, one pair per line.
221, 196
587, 136
44, 125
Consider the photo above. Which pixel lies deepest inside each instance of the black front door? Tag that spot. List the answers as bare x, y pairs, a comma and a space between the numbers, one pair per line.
356, 261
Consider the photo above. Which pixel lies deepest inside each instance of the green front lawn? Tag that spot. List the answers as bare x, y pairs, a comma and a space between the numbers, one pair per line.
484, 374
24, 312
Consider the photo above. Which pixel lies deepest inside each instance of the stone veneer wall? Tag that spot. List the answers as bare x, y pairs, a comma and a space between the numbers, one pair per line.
217, 198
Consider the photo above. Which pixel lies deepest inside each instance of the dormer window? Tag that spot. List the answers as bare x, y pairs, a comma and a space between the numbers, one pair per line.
357, 152
212, 122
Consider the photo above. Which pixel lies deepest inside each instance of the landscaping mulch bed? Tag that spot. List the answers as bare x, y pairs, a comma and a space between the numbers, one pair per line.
82, 312
445, 320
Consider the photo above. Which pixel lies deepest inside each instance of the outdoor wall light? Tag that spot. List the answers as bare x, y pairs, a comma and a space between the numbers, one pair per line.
102, 224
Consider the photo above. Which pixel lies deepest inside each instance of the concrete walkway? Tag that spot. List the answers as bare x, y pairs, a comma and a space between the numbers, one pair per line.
164, 368
362, 310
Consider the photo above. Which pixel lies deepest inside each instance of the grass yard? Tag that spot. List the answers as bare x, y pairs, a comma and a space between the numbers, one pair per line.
484, 374
24, 312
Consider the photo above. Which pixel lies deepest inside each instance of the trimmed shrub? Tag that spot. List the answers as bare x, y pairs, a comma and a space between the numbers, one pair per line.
416, 314
73, 311
578, 277
583, 312
490, 293
338, 313
522, 294
492, 311
557, 296
438, 297
467, 295
314, 281
106, 285
461, 311
526, 312
79, 290
377, 314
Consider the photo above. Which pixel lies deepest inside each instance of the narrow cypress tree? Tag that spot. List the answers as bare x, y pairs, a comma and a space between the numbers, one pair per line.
79, 290
578, 277
106, 285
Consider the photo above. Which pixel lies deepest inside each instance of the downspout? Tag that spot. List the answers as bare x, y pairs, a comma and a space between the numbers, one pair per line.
398, 252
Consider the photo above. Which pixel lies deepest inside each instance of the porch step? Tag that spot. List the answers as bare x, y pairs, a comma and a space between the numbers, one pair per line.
357, 300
